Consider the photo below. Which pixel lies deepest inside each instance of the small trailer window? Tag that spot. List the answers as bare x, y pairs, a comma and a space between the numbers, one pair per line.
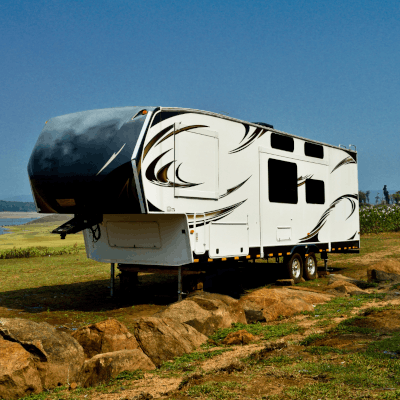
313, 150
315, 191
282, 181
281, 142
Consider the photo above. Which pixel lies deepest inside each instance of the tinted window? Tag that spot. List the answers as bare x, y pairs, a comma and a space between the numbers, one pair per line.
313, 150
315, 191
282, 142
163, 115
282, 181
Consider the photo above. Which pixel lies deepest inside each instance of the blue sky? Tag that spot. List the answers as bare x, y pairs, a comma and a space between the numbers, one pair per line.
324, 70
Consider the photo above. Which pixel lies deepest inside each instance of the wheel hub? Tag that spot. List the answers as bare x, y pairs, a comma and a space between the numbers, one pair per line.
310, 265
296, 270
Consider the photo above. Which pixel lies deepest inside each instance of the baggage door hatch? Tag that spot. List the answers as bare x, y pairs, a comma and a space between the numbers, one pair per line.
134, 234
196, 163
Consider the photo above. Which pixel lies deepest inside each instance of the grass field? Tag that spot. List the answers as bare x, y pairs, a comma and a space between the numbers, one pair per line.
34, 235
332, 354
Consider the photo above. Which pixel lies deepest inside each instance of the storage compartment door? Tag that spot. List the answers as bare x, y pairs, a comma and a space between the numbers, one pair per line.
135, 234
196, 163
229, 239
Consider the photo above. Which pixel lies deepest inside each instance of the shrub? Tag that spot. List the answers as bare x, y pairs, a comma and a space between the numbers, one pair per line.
381, 218
38, 252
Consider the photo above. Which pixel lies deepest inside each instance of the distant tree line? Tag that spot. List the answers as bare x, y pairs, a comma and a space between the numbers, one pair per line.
387, 198
16, 206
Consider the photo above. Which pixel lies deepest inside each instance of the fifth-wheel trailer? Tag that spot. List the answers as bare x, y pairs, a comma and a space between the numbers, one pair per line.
170, 187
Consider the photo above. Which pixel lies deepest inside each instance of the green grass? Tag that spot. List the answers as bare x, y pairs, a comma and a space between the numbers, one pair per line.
395, 286
267, 331
342, 305
312, 338
128, 375
266, 360
187, 362
215, 390
322, 350
37, 235
347, 326
355, 371
386, 348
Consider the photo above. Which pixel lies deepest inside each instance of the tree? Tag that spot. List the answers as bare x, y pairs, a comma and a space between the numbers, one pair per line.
386, 194
367, 195
362, 198
396, 197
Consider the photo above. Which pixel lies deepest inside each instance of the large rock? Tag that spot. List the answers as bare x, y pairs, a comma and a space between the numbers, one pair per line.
344, 287
387, 270
264, 305
57, 355
238, 337
103, 367
162, 339
105, 337
338, 277
206, 312
18, 374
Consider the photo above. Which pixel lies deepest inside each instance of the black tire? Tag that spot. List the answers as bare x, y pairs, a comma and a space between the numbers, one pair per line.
294, 266
310, 266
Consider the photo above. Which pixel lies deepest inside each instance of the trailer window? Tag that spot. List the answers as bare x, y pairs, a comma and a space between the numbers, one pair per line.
281, 142
282, 181
315, 191
313, 150
163, 115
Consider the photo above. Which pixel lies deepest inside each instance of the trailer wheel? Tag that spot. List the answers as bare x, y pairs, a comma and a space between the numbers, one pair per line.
310, 267
295, 267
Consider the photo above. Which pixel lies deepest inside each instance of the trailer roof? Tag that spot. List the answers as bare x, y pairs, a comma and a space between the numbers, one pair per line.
253, 124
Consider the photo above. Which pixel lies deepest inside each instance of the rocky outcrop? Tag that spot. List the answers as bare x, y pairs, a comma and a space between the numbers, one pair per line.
105, 337
238, 337
385, 271
18, 374
103, 367
162, 339
264, 305
344, 287
206, 312
58, 357
338, 277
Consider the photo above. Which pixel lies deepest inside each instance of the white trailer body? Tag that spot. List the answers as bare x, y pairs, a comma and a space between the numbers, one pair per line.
208, 187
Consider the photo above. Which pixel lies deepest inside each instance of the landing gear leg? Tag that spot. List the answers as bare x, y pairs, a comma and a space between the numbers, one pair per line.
179, 283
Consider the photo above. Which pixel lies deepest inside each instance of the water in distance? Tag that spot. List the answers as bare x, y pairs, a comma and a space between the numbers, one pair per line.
4, 222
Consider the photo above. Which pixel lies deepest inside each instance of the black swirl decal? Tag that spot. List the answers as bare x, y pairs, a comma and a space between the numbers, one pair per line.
322, 221
347, 160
